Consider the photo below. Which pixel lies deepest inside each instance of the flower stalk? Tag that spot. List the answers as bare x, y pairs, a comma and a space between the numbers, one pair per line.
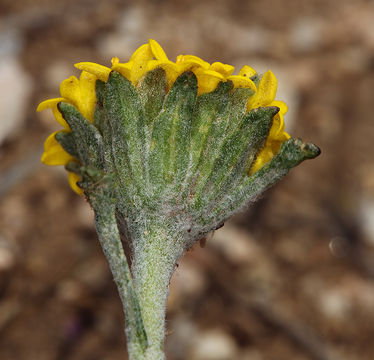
109, 237
152, 270
166, 152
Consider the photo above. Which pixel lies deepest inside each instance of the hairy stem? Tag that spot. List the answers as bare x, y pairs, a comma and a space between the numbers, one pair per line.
156, 252
109, 238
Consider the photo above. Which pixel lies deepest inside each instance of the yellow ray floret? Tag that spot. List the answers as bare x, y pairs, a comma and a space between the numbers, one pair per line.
266, 91
242, 82
53, 153
52, 104
73, 178
81, 93
101, 72
207, 80
276, 137
124, 69
157, 51
192, 59
224, 69
247, 71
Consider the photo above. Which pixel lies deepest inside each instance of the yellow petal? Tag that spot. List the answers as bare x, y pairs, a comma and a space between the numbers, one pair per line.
276, 144
277, 127
247, 71
81, 93
266, 91
282, 137
224, 69
69, 89
171, 69
188, 65
283, 108
88, 95
262, 158
123, 69
142, 53
272, 146
281, 123
58, 116
242, 82
114, 60
52, 104
100, 71
54, 154
51, 141
157, 50
192, 59
73, 178
207, 80
140, 59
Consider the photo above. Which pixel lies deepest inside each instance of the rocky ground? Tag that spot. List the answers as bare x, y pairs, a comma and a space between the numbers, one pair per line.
291, 278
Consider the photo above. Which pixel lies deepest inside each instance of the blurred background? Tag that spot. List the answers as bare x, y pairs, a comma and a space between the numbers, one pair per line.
290, 278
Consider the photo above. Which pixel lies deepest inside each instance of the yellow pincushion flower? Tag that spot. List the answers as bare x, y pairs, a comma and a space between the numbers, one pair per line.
81, 93
166, 152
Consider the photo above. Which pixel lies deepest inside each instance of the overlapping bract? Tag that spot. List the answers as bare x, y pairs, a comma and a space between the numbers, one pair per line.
81, 93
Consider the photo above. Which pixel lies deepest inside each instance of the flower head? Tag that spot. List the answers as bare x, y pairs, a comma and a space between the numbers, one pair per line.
165, 152
81, 93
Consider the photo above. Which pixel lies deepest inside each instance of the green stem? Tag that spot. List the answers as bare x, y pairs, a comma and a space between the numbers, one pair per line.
156, 252
109, 238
